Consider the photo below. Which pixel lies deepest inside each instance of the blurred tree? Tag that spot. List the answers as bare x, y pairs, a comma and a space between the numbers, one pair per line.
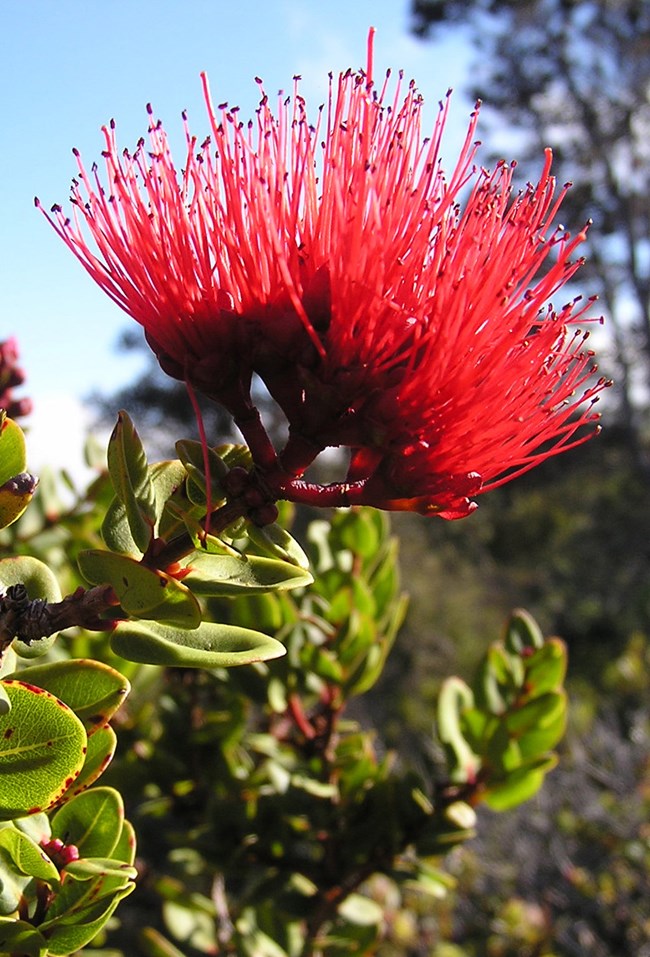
575, 75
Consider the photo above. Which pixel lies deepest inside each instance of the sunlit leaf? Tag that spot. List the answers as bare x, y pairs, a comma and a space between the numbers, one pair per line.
127, 465
226, 575
84, 919
12, 449
275, 541
456, 696
546, 668
26, 856
166, 478
522, 633
142, 592
89, 868
92, 689
518, 786
42, 749
101, 748
92, 821
210, 645
125, 848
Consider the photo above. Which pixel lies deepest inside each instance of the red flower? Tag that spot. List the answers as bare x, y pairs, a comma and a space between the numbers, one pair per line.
336, 261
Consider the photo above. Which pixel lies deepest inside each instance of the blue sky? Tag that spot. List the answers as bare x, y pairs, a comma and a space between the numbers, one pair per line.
68, 66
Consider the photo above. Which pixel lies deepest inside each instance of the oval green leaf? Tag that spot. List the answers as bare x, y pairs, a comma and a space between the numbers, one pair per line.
42, 750
40, 582
26, 856
92, 821
143, 592
519, 786
89, 868
208, 646
216, 575
92, 689
275, 541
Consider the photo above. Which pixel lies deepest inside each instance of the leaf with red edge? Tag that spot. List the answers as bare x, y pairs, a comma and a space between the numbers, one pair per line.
101, 748
42, 750
92, 689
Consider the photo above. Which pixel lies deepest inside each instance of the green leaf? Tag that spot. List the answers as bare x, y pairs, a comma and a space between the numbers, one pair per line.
455, 697
127, 466
36, 827
40, 582
14, 885
191, 455
431, 881
143, 592
92, 689
125, 848
89, 868
372, 666
546, 668
42, 747
357, 531
500, 679
361, 910
522, 633
501, 751
13, 458
101, 748
19, 937
273, 540
518, 786
190, 452
210, 645
323, 662
193, 926
226, 575
535, 714
26, 856
537, 741
166, 478
92, 821
84, 920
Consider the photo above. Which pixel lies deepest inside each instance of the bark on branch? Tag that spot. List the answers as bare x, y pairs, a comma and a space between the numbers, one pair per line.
31, 619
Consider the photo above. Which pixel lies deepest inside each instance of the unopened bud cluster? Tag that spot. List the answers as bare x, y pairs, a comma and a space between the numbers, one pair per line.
11, 376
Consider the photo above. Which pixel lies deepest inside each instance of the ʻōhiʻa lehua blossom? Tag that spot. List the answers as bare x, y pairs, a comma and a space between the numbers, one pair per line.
389, 308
